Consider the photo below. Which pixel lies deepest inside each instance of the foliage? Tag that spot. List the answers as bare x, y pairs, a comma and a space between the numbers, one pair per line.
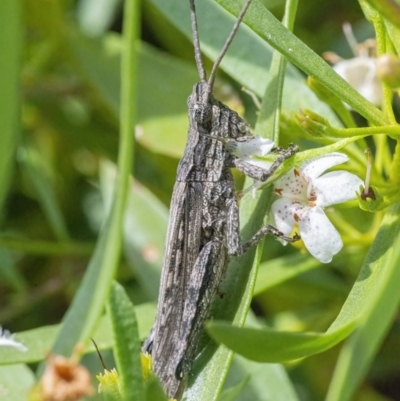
93, 121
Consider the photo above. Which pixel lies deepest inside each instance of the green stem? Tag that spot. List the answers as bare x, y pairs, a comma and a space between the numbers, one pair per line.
389, 9
381, 38
391, 130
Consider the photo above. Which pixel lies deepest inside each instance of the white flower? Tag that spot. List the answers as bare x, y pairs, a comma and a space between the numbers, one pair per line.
256, 146
361, 74
361, 70
7, 340
305, 193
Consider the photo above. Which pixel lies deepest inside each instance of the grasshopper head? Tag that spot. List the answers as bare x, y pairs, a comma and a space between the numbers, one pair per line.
200, 109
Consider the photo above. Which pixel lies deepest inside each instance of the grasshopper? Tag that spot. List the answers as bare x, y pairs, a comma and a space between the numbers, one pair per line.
203, 228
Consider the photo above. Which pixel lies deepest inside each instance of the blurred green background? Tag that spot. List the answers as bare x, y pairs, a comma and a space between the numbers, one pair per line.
60, 99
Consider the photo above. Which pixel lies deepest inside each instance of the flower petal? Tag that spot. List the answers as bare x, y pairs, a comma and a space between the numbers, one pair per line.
282, 215
292, 186
257, 146
360, 73
319, 235
7, 340
315, 167
336, 187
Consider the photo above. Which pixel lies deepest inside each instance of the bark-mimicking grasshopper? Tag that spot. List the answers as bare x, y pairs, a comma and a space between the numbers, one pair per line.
203, 228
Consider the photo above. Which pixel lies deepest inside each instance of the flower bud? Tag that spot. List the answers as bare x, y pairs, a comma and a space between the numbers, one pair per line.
388, 70
313, 124
110, 384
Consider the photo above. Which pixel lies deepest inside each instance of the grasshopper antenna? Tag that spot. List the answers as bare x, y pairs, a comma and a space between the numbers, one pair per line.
196, 43
211, 79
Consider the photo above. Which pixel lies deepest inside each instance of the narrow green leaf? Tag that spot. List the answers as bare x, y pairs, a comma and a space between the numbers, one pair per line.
40, 340
359, 350
15, 382
88, 303
262, 22
126, 343
266, 345
10, 53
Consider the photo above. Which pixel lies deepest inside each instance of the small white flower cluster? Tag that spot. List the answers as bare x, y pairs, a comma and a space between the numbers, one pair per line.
304, 193
7, 340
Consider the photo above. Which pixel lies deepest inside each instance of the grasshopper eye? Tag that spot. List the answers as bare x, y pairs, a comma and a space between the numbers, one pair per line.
201, 113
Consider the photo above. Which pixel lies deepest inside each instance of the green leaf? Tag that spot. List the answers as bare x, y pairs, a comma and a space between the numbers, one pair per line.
277, 271
126, 343
16, 382
380, 310
40, 340
10, 54
266, 345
